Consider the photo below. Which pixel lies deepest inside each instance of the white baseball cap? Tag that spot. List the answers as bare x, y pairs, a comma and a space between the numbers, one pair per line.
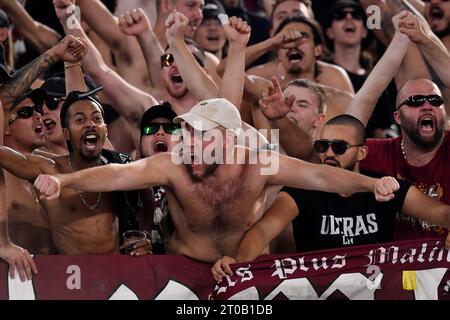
209, 114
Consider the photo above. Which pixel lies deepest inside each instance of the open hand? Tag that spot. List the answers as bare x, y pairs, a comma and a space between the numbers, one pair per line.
274, 105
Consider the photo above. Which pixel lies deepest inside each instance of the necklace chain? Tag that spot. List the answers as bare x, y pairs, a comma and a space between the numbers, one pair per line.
402, 146
96, 204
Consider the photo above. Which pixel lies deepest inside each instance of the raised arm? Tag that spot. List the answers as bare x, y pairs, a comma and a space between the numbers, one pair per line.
128, 100
258, 237
24, 77
200, 85
154, 171
237, 33
304, 175
293, 139
285, 38
39, 35
432, 48
136, 23
362, 105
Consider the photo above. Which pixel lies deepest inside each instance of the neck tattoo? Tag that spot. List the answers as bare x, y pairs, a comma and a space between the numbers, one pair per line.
90, 206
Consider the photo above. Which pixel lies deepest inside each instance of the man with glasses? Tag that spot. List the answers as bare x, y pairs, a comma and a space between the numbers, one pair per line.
421, 154
323, 220
345, 29
27, 220
159, 134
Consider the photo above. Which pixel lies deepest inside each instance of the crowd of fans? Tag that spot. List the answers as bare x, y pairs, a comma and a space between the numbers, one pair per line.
105, 103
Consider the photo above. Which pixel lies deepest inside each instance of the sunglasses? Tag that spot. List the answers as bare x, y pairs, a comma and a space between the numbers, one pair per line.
52, 102
419, 100
167, 59
341, 15
26, 112
338, 146
169, 128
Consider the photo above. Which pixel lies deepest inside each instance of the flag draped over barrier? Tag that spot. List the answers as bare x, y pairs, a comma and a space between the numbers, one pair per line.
418, 269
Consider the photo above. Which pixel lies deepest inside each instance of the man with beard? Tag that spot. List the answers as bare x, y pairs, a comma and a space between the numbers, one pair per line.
82, 223
421, 154
216, 190
324, 220
300, 59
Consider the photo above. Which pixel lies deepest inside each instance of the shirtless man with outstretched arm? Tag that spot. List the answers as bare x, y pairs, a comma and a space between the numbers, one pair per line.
212, 205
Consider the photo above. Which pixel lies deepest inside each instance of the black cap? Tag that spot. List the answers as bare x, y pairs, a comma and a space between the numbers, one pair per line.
75, 96
163, 110
55, 87
37, 96
212, 9
4, 21
339, 5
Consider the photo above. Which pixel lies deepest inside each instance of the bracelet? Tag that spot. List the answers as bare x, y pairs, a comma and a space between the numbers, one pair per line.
72, 65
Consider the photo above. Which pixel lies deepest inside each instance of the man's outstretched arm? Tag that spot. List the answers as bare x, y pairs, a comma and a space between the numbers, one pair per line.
144, 173
303, 175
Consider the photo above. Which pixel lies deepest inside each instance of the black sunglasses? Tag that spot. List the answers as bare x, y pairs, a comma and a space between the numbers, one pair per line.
419, 100
169, 128
53, 102
26, 112
341, 15
167, 59
338, 146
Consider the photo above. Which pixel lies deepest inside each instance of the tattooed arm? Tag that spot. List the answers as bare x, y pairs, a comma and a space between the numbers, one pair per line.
21, 81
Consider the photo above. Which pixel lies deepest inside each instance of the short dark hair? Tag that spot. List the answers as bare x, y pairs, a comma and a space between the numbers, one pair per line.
315, 27
307, 3
311, 85
75, 96
348, 120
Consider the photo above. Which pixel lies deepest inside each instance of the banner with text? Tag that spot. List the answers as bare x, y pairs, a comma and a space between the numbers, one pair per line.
418, 269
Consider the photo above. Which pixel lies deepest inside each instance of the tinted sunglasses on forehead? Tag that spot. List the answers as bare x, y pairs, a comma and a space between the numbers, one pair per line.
167, 59
338, 146
419, 100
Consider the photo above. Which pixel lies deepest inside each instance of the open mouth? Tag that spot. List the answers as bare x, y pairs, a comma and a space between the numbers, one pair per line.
49, 124
427, 124
294, 56
214, 38
436, 13
350, 29
176, 78
90, 140
160, 146
38, 129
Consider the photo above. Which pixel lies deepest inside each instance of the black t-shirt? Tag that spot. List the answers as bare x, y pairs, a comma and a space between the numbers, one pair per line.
327, 220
